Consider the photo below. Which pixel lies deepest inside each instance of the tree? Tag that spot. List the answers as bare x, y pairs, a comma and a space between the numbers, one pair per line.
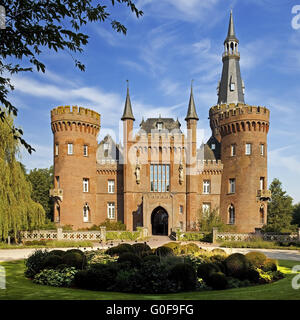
280, 210
296, 214
42, 181
17, 209
32, 25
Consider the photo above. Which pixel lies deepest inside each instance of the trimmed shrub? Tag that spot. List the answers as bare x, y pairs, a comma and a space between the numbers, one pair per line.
174, 246
56, 278
119, 249
205, 269
35, 263
101, 278
141, 249
270, 265
75, 251
58, 252
253, 275
153, 258
277, 275
218, 251
189, 248
52, 261
74, 259
164, 251
237, 265
217, 280
257, 259
184, 275
264, 277
130, 258
124, 280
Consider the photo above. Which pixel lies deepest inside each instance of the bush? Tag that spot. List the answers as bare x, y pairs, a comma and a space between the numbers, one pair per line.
217, 280
218, 251
101, 278
141, 249
74, 259
124, 281
119, 249
174, 246
206, 269
264, 277
184, 275
237, 265
253, 275
270, 265
153, 258
57, 252
75, 251
35, 263
257, 259
52, 261
113, 225
277, 275
189, 248
164, 251
132, 259
56, 278
99, 257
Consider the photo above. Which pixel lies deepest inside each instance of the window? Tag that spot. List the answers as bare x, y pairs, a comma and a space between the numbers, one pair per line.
231, 214
262, 215
86, 213
231, 185
232, 86
159, 125
213, 146
160, 177
70, 148
206, 186
57, 182
111, 210
85, 185
56, 149
181, 209
105, 146
262, 183
85, 150
205, 209
233, 150
262, 149
111, 186
248, 149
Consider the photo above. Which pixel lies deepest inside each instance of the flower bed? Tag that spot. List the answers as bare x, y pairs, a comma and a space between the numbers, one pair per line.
140, 269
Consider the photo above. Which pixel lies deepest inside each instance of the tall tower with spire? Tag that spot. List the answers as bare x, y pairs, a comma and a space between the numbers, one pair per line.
242, 131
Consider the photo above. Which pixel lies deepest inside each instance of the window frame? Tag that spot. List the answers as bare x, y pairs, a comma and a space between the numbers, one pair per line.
70, 148
85, 150
233, 150
110, 186
262, 149
159, 177
56, 151
111, 210
86, 184
246, 150
206, 185
232, 182
86, 209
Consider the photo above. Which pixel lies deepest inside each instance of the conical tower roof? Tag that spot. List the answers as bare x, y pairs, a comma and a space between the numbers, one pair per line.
127, 114
191, 114
231, 33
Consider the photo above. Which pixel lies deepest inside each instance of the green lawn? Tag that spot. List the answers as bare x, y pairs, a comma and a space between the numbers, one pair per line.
19, 287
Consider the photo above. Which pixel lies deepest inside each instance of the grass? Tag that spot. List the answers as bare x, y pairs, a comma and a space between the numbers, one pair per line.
48, 244
258, 244
21, 288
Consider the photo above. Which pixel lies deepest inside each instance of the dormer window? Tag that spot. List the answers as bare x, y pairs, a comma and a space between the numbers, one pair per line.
105, 146
213, 146
159, 125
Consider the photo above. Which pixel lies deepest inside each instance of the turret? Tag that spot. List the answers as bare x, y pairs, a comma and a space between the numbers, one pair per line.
75, 133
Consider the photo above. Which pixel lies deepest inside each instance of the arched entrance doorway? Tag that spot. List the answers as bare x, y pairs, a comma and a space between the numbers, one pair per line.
159, 221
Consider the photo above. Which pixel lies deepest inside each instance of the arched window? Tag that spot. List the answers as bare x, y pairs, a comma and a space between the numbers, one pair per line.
231, 214
262, 215
86, 213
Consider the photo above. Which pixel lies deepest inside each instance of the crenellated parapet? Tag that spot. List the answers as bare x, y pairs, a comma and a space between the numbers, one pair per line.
209, 166
232, 118
66, 118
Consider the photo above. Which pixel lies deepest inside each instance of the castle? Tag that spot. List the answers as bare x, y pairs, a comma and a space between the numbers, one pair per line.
158, 178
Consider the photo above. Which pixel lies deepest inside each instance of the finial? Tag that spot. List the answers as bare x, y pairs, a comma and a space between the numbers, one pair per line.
127, 84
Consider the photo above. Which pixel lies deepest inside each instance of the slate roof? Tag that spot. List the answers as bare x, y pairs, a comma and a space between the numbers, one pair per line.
168, 124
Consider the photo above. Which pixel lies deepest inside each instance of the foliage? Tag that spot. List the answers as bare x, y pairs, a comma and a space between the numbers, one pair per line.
56, 278
141, 249
57, 252
35, 263
124, 235
95, 257
175, 246
132, 259
124, 280
48, 225
270, 265
74, 259
32, 26
237, 265
52, 261
260, 244
206, 269
110, 226
191, 236
163, 251
184, 276
296, 215
42, 181
153, 258
212, 220
18, 210
119, 249
58, 243
189, 248
257, 259
280, 210
218, 251
75, 251
217, 280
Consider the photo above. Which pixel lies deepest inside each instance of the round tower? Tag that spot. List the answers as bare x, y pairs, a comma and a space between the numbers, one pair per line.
244, 194
75, 133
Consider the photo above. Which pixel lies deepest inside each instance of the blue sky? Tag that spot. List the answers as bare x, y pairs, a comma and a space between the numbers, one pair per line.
175, 41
